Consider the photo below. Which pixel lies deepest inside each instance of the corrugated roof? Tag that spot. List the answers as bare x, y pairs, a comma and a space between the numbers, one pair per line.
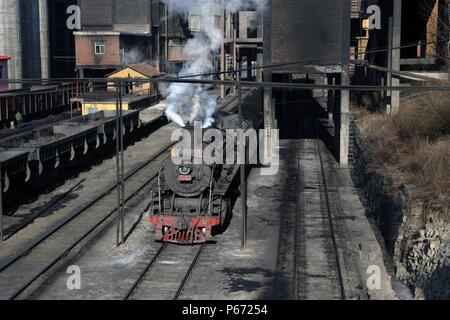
143, 68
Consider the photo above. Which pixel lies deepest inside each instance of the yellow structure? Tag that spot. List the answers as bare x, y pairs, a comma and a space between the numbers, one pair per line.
90, 107
135, 95
139, 71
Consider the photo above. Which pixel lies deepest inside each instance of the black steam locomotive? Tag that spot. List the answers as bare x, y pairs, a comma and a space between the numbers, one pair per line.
194, 201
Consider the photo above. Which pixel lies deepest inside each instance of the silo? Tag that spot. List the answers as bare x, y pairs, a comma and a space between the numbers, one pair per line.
31, 39
10, 38
44, 38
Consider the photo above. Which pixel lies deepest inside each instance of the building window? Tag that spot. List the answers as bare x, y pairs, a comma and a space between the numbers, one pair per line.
1, 72
194, 23
99, 47
252, 30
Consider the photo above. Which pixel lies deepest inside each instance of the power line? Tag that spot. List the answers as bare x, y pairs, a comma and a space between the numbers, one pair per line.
303, 62
271, 66
404, 46
304, 86
322, 62
315, 62
397, 72
102, 80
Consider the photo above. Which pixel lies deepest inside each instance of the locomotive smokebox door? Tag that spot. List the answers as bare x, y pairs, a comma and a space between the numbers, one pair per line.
187, 180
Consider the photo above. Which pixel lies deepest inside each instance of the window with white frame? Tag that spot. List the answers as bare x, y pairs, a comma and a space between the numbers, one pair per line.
99, 47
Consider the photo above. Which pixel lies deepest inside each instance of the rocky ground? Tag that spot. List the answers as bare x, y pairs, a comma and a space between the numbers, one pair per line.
417, 234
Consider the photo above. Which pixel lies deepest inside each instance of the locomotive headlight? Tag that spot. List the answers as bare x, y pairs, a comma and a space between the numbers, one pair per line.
184, 170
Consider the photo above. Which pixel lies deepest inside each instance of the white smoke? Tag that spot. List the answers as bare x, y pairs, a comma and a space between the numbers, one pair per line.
188, 103
133, 56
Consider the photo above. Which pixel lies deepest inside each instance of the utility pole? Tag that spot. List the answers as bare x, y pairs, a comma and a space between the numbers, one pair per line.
447, 35
344, 118
120, 234
395, 53
242, 169
222, 53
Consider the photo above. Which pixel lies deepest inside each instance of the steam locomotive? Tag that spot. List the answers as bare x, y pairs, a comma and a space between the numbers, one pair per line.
194, 201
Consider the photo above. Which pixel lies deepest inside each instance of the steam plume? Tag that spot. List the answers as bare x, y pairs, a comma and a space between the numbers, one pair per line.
188, 103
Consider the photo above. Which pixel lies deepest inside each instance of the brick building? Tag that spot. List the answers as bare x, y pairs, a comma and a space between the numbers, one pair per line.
116, 33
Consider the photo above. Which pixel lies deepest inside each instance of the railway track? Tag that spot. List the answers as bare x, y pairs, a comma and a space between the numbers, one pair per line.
329, 214
317, 266
21, 273
26, 270
13, 230
167, 273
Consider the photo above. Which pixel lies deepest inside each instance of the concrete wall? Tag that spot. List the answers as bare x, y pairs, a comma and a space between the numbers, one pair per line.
248, 20
10, 44
132, 16
304, 30
4, 75
96, 13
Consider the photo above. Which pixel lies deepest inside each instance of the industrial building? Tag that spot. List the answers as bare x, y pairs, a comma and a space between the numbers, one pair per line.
413, 38
153, 32
117, 33
307, 42
243, 48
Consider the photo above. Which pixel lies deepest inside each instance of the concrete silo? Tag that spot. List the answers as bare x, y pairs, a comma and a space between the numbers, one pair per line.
24, 36
44, 38
10, 37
